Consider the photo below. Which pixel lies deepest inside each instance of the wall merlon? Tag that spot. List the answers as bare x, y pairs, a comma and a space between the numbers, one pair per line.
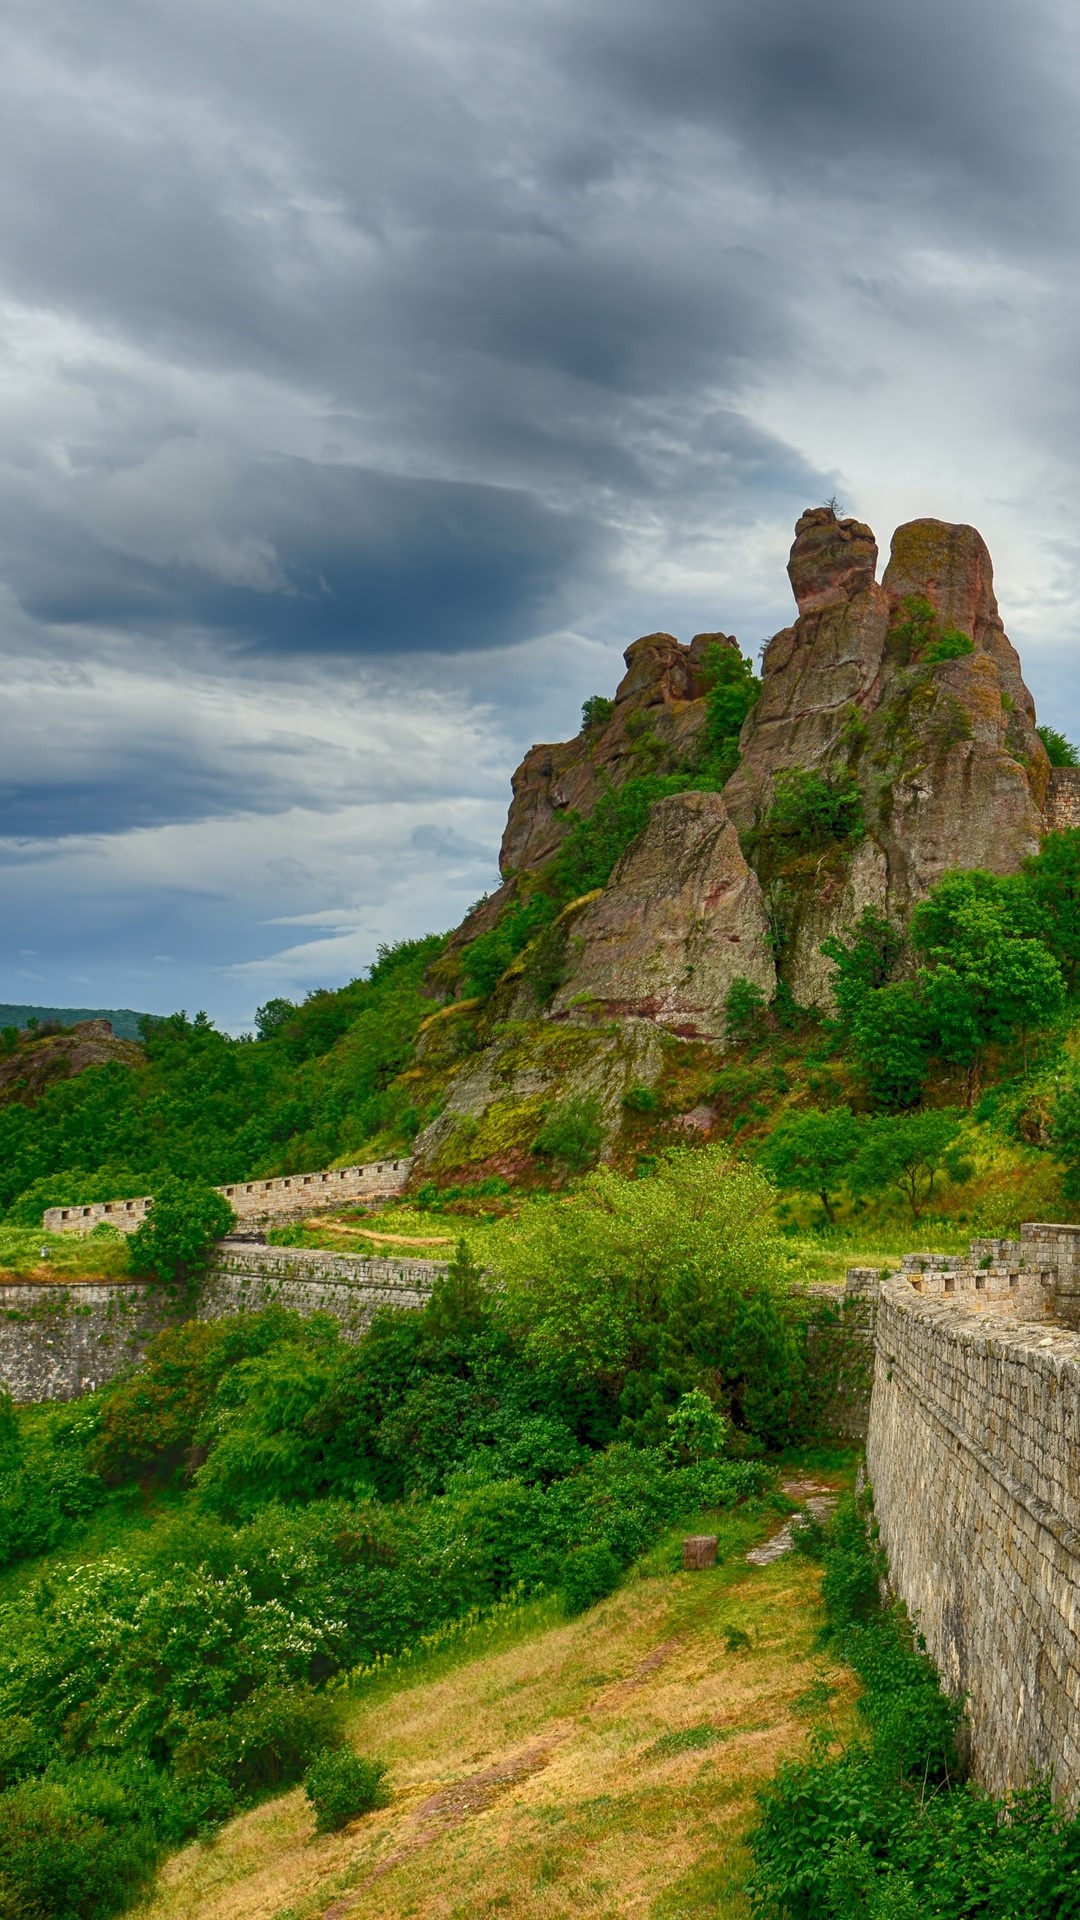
289, 1196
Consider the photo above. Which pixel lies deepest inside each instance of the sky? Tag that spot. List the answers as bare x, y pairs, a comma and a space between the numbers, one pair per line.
372, 372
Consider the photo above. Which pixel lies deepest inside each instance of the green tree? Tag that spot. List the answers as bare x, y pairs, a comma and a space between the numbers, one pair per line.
910, 1151
743, 1008
812, 1153
596, 712
1052, 878
986, 976
732, 690
696, 1431
814, 809
890, 1038
460, 1297
175, 1240
1065, 1134
864, 956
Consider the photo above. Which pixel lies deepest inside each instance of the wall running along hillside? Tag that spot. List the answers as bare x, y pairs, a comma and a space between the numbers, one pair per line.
253, 1201
58, 1342
974, 1456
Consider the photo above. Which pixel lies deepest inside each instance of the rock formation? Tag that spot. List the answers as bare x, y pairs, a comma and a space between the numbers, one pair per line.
911, 688
656, 722
902, 701
680, 918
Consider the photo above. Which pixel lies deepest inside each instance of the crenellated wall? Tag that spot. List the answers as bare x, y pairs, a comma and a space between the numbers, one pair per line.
57, 1342
973, 1452
290, 1197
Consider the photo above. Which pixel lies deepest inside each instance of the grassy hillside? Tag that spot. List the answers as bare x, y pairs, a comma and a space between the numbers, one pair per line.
538, 1766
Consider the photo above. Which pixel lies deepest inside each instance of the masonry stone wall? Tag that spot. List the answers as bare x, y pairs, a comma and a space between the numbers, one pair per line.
255, 1202
1063, 799
58, 1342
973, 1452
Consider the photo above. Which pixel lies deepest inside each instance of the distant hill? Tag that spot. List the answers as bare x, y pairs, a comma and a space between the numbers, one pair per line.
125, 1023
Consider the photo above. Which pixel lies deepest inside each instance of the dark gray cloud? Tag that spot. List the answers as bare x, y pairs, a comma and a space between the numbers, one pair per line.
369, 376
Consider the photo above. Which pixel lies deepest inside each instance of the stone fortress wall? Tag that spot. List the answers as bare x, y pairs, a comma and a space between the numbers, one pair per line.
58, 1342
973, 1453
1063, 799
254, 1202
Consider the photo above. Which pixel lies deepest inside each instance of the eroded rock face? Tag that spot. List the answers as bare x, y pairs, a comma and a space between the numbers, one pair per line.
658, 717
950, 768
681, 916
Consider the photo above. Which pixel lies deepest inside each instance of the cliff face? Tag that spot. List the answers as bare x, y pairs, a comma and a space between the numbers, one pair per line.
913, 690
680, 918
656, 723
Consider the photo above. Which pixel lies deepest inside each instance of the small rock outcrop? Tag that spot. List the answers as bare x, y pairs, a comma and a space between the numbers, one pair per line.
680, 918
656, 723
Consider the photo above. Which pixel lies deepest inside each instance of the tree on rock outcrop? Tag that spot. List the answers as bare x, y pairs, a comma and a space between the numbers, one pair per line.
174, 1242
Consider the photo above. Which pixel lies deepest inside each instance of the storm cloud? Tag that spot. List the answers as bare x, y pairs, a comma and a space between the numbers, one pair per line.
369, 377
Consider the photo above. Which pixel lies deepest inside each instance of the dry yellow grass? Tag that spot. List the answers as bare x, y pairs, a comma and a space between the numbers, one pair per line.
547, 1779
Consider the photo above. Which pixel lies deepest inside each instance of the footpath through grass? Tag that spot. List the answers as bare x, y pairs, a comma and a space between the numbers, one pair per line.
605, 1765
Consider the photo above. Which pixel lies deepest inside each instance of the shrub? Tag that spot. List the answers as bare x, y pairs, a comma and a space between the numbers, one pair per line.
743, 1008
341, 1786
174, 1241
951, 644
811, 809
572, 1134
1060, 752
641, 1100
596, 712
589, 1574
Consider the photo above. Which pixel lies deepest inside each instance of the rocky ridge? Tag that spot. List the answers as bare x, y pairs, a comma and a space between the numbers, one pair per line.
904, 698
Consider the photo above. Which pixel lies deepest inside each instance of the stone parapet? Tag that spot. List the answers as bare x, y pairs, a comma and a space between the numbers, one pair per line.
974, 1455
58, 1342
291, 1196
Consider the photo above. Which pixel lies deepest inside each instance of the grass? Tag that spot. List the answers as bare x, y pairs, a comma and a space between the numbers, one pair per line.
548, 1768
68, 1257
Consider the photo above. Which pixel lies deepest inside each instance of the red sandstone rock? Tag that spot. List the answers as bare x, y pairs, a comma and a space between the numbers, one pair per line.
661, 696
831, 559
681, 916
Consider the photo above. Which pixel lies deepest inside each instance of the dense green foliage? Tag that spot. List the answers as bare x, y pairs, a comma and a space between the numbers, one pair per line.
811, 810
887, 1829
596, 712
732, 689
341, 1786
812, 1152
572, 1134
208, 1109
994, 955
322, 1503
174, 1242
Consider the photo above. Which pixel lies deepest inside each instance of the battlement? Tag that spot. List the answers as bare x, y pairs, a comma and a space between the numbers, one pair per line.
292, 1196
1035, 1278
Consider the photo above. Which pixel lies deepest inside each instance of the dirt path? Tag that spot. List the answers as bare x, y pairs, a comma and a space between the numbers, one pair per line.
605, 1767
